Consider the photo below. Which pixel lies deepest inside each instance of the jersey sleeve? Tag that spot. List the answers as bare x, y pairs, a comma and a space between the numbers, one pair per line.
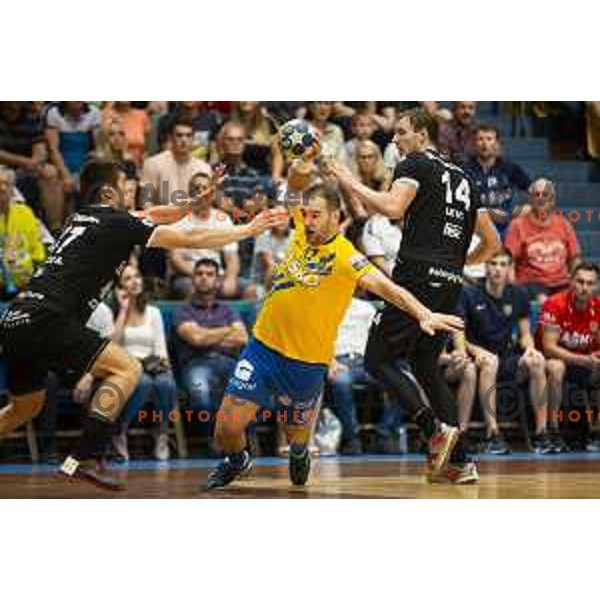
550, 316
130, 229
409, 170
353, 264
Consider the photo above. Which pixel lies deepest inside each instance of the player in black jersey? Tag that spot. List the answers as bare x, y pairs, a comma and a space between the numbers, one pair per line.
44, 327
441, 212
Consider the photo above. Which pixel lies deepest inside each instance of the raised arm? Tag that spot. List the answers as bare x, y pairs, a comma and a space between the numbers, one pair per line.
376, 282
393, 203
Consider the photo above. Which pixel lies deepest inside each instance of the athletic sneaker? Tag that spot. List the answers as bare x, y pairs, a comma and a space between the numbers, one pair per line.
229, 469
558, 444
441, 445
91, 472
457, 474
542, 444
593, 444
299, 466
496, 444
162, 451
121, 447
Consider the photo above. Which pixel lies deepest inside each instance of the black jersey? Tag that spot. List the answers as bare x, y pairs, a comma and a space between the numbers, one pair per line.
93, 249
439, 224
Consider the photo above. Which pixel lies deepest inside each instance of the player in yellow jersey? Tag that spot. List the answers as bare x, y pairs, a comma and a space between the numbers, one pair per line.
293, 339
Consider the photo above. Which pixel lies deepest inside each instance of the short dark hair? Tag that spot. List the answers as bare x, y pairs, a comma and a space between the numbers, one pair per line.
586, 265
179, 120
329, 193
488, 127
206, 262
421, 120
97, 173
504, 253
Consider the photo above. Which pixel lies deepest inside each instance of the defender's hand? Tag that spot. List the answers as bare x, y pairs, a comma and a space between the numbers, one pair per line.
434, 322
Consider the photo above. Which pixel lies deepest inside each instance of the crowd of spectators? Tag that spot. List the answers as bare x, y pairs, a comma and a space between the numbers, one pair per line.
169, 150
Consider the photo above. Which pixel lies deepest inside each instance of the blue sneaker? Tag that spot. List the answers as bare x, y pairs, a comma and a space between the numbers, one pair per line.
229, 469
299, 465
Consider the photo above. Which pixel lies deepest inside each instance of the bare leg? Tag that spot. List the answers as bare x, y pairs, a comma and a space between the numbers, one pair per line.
232, 420
52, 198
488, 373
535, 366
21, 410
556, 370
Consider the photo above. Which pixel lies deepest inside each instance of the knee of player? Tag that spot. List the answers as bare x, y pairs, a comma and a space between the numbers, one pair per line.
489, 363
470, 373
537, 365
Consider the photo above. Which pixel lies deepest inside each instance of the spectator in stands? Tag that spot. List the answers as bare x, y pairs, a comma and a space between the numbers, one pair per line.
70, 135
498, 337
183, 261
456, 137
381, 240
367, 164
261, 148
245, 190
497, 179
363, 128
270, 249
139, 328
172, 169
569, 331
593, 129
23, 148
542, 243
21, 248
111, 144
332, 137
136, 124
205, 125
209, 334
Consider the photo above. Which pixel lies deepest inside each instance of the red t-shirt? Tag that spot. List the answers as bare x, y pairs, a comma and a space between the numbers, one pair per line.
579, 328
542, 251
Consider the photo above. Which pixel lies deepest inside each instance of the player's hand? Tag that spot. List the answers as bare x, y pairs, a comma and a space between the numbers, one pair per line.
335, 369
459, 359
267, 219
337, 169
432, 323
123, 300
83, 389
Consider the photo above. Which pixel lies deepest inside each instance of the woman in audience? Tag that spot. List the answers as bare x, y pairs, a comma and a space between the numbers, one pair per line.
111, 144
139, 328
368, 166
136, 125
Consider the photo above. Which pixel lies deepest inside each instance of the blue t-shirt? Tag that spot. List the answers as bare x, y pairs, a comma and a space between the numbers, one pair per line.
498, 188
493, 323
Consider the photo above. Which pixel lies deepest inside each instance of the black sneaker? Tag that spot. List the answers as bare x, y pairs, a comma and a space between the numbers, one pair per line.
558, 444
496, 444
89, 472
543, 444
299, 466
229, 469
593, 444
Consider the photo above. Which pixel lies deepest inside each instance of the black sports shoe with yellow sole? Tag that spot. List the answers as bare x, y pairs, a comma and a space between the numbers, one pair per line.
299, 465
232, 467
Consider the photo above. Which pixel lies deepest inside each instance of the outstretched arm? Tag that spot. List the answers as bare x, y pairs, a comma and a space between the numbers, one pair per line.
375, 281
169, 236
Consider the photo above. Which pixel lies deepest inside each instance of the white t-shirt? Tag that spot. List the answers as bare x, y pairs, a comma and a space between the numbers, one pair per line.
214, 218
382, 238
474, 271
141, 341
277, 246
354, 331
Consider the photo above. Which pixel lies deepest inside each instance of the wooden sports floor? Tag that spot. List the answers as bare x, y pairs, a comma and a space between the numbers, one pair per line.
516, 476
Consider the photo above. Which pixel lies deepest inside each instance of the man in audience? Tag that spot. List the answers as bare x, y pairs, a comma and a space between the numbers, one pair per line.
22, 148
21, 248
569, 329
456, 138
498, 337
244, 190
209, 334
183, 261
166, 176
497, 179
542, 244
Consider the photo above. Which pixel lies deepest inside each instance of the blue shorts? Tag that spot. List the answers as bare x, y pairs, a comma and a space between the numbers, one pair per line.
264, 377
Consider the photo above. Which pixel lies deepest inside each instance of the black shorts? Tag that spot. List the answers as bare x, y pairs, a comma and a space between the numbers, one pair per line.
395, 334
35, 340
508, 368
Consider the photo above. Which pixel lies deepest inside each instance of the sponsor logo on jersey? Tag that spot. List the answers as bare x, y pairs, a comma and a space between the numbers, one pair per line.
244, 370
359, 262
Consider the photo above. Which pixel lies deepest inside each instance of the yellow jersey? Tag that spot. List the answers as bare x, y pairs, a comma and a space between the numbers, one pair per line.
310, 293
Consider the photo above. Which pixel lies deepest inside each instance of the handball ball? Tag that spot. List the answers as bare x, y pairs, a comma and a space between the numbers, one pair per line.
296, 137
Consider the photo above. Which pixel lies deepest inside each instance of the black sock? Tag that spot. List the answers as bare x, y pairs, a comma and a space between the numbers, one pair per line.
94, 439
427, 422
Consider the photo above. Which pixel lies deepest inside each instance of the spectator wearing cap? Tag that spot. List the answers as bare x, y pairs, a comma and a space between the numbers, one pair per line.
542, 243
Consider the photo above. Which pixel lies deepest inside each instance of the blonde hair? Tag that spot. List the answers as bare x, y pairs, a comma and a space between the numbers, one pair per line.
103, 149
381, 175
257, 125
